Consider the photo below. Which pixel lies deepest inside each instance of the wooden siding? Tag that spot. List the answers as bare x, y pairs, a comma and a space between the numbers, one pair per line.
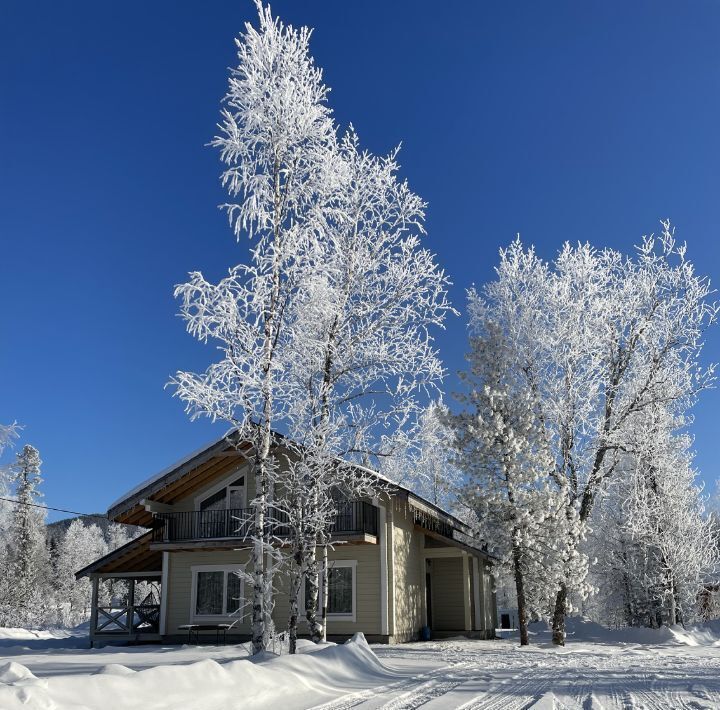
408, 545
367, 617
186, 486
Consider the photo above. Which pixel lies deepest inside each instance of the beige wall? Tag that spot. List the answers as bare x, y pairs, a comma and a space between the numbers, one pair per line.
367, 596
406, 579
408, 575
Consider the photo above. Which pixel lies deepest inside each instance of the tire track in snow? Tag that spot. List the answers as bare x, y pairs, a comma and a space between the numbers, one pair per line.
515, 693
416, 688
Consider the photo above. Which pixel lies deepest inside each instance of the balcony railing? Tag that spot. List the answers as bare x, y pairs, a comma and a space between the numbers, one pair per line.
353, 518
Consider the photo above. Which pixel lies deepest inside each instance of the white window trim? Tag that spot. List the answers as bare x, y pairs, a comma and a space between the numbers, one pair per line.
227, 569
334, 617
225, 483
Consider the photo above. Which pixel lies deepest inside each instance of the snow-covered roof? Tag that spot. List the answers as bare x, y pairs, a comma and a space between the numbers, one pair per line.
150, 482
154, 482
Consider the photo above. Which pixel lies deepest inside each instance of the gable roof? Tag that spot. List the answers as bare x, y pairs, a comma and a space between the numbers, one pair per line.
176, 470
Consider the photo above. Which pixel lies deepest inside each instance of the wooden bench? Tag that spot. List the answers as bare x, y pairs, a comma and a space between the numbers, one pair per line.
195, 629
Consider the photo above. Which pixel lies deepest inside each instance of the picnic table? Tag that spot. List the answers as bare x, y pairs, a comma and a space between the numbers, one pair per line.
195, 629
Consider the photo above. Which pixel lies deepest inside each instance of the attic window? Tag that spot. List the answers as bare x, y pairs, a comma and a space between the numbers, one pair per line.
230, 497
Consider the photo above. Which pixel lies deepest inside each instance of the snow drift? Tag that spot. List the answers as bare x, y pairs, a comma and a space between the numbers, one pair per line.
298, 680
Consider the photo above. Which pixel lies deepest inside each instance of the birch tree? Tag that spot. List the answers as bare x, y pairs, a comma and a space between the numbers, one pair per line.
274, 136
364, 323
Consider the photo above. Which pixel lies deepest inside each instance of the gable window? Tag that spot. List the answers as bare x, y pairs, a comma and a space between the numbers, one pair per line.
229, 496
341, 605
216, 591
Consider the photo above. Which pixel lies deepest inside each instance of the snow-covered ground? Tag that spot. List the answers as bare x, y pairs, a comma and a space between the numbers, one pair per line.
597, 669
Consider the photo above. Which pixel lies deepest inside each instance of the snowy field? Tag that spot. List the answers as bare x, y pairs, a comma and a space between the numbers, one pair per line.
597, 669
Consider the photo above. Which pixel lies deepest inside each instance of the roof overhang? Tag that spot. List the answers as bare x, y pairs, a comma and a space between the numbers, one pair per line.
134, 558
132, 507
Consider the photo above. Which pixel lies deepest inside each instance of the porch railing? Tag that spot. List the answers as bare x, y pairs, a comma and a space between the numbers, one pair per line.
353, 518
127, 619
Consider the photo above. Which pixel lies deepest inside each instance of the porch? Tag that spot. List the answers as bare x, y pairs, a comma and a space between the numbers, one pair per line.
127, 605
458, 594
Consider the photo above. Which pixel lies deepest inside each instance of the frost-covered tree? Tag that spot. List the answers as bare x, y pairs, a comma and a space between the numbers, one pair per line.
502, 447
8, 434
426, 459
363, 323
658, 546
605, 337
28, 561
273, 140
309, 498
326, 332
80, 545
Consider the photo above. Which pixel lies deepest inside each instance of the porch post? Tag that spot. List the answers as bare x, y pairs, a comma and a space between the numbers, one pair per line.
466, 591
423, 590
164, 592
391, 568
131, 606
476, 589
93, 608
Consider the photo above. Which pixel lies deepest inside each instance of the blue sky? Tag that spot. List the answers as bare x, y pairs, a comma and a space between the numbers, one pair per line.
559, 120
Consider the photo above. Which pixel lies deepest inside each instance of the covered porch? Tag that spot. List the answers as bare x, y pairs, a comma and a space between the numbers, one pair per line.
128, 594
458, 591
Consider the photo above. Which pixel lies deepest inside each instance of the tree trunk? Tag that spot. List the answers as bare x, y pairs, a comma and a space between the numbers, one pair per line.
258, 553
311, 599
520, 591
295, 581
558, 624
325, 588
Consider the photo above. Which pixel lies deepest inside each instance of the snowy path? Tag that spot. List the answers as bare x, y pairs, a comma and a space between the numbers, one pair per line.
681, 670
498, 675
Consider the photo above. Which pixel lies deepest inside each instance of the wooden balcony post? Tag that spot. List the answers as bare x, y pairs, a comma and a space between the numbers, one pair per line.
466, 591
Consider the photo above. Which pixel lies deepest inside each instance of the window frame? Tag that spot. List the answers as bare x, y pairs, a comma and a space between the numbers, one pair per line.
226, 569
352, 617
225, 484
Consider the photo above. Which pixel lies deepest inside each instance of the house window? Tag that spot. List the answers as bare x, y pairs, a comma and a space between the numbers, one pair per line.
341, 590
217, 591
229, 496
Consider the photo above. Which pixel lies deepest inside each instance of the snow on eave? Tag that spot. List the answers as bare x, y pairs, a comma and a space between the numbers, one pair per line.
147, 485
461, 526
113, 555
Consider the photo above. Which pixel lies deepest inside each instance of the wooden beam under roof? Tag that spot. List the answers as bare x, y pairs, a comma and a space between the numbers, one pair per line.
177, 484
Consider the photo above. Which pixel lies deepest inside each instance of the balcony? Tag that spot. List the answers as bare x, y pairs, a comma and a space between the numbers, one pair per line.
354, 518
